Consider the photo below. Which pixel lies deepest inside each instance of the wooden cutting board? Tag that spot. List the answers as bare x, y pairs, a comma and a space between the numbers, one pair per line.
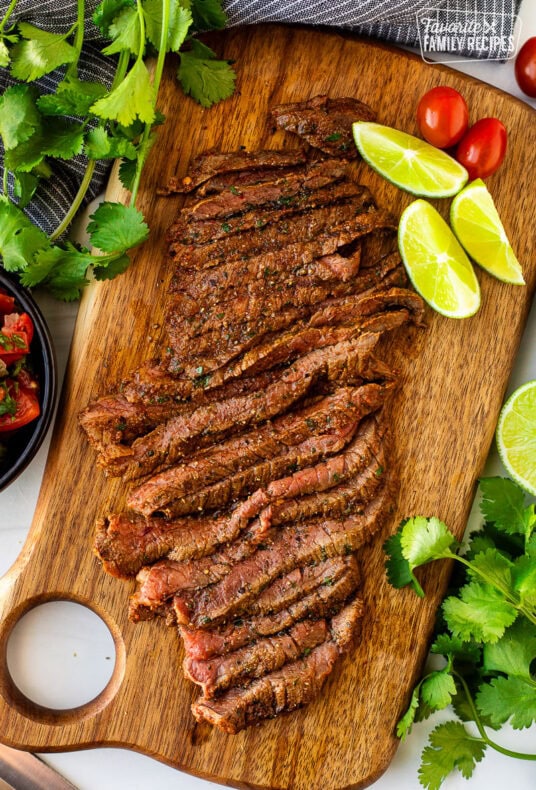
453, 378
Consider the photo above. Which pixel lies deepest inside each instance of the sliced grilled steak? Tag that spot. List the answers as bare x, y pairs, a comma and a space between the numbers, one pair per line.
257, 659
220, 333
246, 450
276, 219
299, 545
126, 541
293, 229
365, 400
324, 123
292, 598
213, 163
169, 442
246, 481
290, 189
295, 684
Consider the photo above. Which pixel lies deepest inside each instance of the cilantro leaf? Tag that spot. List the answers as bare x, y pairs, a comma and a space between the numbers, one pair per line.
40, 53
503, 502
112, 269
514, 652
494, 567
116, 227
61, 269
27, 155
398, 568
19, 237
480, 613
105, 13
24, 187
424, 539
450, 747
127, 172
405, 723
180, 20
524, 575
204, 78
72, 97
132, 99
455, 648
19, 117
208, 15
438, 688
125, 30
510, 699
101, 145
4, 55
62, 139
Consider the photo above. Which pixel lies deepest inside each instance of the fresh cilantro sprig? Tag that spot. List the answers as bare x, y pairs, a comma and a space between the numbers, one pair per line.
487, 632
82, 117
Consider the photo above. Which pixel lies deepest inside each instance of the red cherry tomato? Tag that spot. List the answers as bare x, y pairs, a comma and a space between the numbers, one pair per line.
442, 116
525, 67
482, 150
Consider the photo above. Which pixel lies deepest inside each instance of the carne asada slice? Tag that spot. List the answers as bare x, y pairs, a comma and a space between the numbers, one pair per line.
246, 481
291, 189
241, 452
290, 687
257, 659
242, 326
270, 231
324, 123
213, 163
297, 545
126, 541
159, 496
312, 592
169, 442
255, 220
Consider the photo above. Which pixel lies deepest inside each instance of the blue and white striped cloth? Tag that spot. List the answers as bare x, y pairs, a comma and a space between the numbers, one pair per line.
396, 21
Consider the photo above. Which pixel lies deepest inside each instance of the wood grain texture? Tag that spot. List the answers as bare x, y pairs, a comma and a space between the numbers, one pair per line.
453, 381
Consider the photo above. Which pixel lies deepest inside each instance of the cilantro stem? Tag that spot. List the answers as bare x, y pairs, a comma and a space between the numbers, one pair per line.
507, 594
480, 726
10, 9
159, 68
77, 202
72, 68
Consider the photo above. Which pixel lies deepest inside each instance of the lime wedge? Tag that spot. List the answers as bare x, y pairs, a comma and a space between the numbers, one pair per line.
407, 162
516, 436
436, 263
477, 225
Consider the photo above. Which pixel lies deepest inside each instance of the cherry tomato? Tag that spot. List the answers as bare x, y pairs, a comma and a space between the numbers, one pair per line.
482, 150
525, 67
19, 404
442, 116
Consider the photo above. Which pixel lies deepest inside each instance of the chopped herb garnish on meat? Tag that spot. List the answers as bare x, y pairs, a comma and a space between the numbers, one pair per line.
332, 138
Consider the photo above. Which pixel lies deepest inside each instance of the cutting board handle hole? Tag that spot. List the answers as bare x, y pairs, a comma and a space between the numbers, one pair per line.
61, 661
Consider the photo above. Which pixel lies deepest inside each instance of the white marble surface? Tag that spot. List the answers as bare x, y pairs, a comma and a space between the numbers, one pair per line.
72, 646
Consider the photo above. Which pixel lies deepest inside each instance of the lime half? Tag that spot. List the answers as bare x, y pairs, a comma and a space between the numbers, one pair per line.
477, 225
410, 163
436, 263
516, 436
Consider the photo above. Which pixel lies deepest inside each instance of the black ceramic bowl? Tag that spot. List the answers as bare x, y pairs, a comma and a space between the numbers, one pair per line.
24, 443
